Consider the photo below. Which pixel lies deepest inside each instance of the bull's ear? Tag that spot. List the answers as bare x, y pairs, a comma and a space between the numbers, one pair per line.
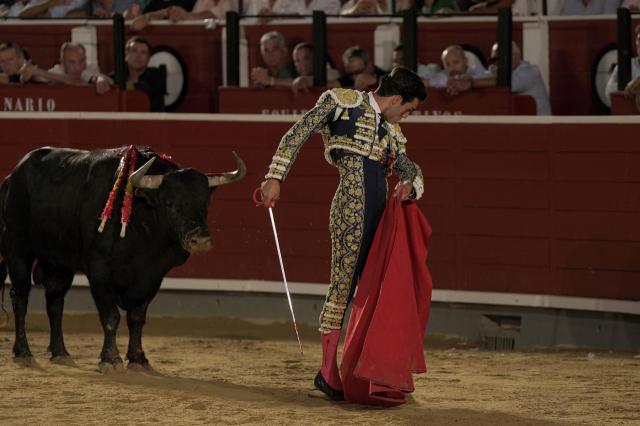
149, 195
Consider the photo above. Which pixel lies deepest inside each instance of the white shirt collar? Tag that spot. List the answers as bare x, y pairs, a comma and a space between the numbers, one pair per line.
373, 103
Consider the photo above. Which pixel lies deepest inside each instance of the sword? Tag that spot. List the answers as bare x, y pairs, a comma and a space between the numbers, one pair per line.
284, 275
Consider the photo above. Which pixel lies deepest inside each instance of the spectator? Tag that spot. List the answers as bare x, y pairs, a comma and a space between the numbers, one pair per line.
455, 67
291, 7
483, 6
366, 7
526, 78
633, 87
425, 72
45, 8
274, 54
303, 63
73, 65
130, 9
72, 68
432, 7
138, 74
586, 7
12, 62
359, 71
178, 11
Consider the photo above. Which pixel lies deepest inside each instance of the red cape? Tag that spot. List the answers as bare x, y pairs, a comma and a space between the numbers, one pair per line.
383, 345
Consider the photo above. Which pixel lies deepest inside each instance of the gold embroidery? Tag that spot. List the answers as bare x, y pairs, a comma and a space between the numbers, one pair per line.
347, 98
346, 222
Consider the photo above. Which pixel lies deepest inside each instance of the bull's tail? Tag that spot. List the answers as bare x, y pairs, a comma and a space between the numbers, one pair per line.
3, 276
3, 263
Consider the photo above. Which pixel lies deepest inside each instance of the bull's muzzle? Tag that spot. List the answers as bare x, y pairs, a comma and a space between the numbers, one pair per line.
197, 242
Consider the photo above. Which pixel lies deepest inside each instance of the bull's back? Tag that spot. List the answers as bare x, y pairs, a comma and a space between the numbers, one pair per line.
51, 194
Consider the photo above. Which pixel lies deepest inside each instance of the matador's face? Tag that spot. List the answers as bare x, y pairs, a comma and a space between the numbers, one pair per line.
400, 110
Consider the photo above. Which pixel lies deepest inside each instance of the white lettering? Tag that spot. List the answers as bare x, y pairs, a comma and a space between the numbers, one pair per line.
28, 104
440, 112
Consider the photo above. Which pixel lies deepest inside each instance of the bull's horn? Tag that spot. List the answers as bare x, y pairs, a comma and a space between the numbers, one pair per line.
229, 177
139, 180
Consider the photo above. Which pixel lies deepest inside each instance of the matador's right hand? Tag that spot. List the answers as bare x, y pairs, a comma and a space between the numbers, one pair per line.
270, 192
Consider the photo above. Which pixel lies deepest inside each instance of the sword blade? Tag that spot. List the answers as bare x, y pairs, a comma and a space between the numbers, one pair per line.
284, 277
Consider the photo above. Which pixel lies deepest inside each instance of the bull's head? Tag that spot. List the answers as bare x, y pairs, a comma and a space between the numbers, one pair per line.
183, 197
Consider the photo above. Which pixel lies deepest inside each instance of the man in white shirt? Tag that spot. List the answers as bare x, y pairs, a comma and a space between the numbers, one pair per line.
73, 65
455, 67
72, 68
526, 78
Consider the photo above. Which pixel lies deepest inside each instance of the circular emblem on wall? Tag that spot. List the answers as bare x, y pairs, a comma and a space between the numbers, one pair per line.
176, 74
604, 64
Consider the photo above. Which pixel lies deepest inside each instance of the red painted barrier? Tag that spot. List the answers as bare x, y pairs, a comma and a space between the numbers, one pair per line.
541, 207
239, 100
57, 97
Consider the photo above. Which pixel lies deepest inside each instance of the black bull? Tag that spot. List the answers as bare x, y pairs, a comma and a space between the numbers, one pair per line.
49, 210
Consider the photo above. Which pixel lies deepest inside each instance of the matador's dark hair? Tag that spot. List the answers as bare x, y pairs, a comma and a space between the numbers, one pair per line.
404, 82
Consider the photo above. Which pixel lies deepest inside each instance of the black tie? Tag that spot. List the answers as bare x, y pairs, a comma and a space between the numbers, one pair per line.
382, 131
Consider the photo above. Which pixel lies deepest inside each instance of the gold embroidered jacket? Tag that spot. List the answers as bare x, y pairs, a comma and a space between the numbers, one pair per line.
346, 120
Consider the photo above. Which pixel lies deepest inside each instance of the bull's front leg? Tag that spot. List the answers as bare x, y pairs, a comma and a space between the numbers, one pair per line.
136, 318
110, 319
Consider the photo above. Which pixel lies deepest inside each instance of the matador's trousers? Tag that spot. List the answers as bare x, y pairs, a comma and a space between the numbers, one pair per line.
356, 210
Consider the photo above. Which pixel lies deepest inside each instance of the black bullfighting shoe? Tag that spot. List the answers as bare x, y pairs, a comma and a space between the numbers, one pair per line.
321, 384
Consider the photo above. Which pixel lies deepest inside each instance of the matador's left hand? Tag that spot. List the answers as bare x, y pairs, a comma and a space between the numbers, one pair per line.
403, 190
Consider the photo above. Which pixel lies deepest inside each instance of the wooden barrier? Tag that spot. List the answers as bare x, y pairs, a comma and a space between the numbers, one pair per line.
57, 97
518, 205
282, 101
574, 46
623, 106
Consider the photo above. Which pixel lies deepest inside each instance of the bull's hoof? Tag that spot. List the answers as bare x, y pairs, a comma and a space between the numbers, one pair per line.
65, 360
25, 361
143, 367
114, 366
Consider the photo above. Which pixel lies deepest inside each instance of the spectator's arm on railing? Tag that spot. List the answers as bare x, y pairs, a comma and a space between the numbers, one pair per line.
632, 89
37, 10
142, 21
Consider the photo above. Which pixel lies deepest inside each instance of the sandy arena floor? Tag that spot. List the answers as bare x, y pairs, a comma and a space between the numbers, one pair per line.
212, 371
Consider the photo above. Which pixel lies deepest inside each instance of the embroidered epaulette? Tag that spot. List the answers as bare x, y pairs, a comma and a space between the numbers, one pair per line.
346, 98
396, 133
